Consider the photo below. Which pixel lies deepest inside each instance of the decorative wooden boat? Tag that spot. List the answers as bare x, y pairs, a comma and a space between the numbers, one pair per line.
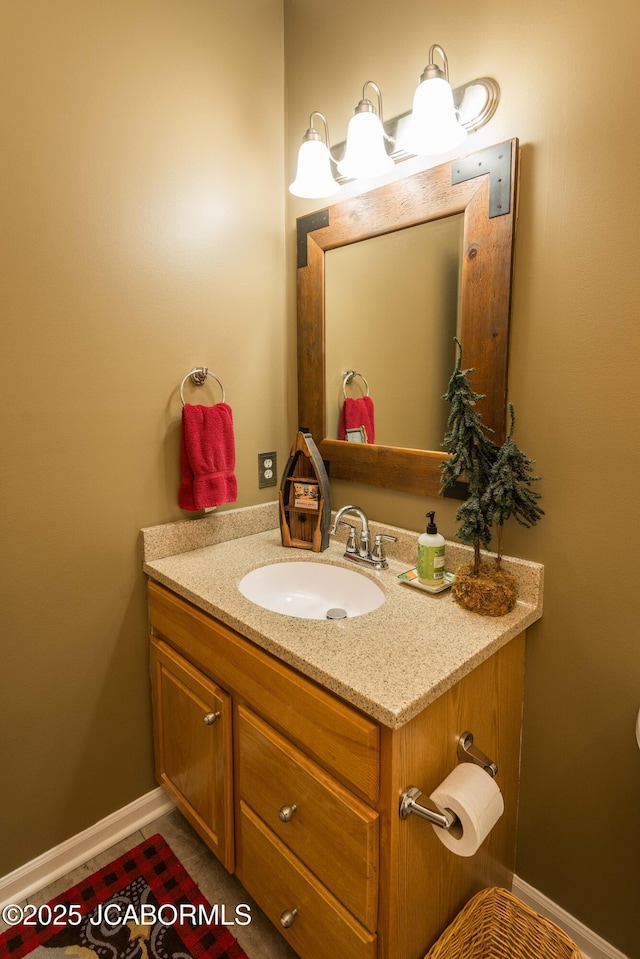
305, 498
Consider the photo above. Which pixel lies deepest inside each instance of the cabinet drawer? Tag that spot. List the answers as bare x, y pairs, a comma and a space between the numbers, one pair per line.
331, 831
280, 882
339, 737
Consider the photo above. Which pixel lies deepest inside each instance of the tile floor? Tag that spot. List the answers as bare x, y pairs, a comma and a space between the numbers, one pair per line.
259, 939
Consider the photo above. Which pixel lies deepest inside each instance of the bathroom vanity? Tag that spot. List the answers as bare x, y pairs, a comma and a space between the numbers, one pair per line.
287, 743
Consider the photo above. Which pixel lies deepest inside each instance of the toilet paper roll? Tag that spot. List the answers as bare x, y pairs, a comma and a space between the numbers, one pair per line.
474, 796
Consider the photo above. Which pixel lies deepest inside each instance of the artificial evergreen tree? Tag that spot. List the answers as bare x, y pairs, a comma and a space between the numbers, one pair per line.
499, 488
472, 455
509, 492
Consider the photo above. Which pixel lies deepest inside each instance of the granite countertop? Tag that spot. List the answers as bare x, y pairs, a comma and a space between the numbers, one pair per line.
390, 663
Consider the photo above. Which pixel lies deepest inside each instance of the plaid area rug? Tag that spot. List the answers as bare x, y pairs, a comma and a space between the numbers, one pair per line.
141, 906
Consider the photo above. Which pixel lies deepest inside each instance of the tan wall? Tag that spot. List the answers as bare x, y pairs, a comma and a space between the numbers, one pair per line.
142, 234
569, 76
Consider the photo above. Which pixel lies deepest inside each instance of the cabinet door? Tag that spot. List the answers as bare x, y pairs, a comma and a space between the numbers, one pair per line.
192, 733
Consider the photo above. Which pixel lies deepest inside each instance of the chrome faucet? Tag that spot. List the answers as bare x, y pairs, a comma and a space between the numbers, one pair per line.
360, 551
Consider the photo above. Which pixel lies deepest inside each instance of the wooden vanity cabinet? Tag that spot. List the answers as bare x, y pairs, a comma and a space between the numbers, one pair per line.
313, 787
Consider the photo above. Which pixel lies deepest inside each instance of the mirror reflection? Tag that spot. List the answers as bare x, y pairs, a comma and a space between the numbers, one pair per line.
391, 313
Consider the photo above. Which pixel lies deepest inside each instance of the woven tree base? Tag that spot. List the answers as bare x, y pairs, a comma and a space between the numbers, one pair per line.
493, 592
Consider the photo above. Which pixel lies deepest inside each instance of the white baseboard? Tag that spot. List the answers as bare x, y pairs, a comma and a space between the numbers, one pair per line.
35, 875
591, 944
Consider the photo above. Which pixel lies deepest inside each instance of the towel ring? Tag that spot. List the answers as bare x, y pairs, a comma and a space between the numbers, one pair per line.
199, 377
348, 376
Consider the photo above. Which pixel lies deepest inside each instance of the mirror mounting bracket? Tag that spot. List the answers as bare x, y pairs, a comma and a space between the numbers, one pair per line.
308, 224
496, 161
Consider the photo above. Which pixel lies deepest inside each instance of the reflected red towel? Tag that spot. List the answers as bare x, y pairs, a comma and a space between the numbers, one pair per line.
355, 413
207, 457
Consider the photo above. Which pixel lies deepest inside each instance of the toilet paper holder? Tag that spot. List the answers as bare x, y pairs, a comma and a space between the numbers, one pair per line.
467, 753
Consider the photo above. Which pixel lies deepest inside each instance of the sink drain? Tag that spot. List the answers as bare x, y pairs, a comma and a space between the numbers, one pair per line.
336, 613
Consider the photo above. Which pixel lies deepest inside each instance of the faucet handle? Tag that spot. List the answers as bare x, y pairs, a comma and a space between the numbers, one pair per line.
378, 553
351, 542
387, 536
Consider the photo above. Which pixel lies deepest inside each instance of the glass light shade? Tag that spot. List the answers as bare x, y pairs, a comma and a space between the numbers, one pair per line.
434, 126
365, 155
314, 179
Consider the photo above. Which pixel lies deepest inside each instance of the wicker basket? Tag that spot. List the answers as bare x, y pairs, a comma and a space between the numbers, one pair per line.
497, 925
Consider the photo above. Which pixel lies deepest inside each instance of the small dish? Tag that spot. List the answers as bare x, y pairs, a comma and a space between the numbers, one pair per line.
410, 577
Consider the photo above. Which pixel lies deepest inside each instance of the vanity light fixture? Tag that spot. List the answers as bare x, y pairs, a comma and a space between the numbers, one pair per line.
440, 121
314, 178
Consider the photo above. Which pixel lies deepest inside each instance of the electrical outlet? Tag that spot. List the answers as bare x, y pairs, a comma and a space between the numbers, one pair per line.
267, 469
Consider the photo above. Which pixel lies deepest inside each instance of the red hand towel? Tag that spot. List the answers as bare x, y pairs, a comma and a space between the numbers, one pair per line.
356, 413
207, 457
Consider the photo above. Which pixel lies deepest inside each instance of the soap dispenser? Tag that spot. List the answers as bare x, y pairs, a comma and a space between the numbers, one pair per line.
431, 554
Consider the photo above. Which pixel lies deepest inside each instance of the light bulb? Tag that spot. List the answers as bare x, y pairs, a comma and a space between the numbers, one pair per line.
365, 154
314, 179
433, 127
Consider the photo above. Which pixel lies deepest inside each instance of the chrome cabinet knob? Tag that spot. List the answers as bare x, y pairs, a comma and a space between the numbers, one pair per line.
210, 718
287, 918
286, 812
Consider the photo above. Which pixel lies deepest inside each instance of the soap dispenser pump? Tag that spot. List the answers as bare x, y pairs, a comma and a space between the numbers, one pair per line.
431, 554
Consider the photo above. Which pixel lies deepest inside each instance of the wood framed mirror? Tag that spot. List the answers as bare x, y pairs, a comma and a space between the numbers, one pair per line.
480, 190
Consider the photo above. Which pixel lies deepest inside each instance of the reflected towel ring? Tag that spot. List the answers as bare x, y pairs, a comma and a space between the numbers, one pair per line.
199, 377
348, 376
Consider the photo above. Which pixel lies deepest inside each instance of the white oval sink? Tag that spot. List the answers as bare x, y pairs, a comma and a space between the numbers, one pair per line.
311, 590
